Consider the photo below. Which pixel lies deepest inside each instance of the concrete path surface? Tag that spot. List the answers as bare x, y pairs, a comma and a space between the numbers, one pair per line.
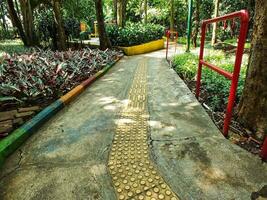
137, 133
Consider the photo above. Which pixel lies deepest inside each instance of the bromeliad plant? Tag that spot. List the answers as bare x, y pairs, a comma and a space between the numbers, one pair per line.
47, 74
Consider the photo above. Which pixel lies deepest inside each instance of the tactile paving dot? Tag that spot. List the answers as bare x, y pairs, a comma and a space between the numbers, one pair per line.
133, 173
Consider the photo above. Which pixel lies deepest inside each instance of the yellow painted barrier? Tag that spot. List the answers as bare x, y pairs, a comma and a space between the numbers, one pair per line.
144, 48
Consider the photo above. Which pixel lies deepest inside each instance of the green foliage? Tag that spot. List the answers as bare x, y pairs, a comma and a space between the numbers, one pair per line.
47, 29
182, 40
47, 74
81, 10
234, 42
134, 34
44, 22
216, 85
223, 35
158, 16
133, 11
12, 46
72, 27
185, 65
6, 34
84, 35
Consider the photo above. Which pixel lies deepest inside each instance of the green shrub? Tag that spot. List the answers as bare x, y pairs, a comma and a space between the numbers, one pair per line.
45, 25
134, 34
185, 65
72, 27
12, 46
215, 84
6, 35
182, 40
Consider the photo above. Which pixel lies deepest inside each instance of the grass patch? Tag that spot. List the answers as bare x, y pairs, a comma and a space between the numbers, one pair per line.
216, 87
234, 42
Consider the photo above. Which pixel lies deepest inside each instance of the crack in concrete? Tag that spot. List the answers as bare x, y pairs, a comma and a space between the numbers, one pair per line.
173, 139
18, 165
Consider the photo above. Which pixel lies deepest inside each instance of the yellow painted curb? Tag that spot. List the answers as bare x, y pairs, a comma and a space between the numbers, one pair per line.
144, 48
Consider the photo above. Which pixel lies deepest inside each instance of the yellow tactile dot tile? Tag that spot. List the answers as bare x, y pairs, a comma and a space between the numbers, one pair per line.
133, 173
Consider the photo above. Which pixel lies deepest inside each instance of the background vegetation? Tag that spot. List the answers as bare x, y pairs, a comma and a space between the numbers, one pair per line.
134, 34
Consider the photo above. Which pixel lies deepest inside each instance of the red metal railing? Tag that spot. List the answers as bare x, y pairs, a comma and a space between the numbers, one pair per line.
244, 18
168, 34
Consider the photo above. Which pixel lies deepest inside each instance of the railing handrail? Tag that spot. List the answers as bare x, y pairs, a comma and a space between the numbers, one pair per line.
242, 14
168, 33
244, 18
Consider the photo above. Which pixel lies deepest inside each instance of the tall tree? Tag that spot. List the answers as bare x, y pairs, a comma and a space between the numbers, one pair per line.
104, 40
27, 15
196, 23
121, 12
145, 10
17, 9
115, 9
253, 106
2, 16
216, 13
26, 25
16, 22
59, 25
172, 15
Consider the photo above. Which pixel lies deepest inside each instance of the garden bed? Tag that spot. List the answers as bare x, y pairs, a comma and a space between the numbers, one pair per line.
215, 90
137, 38
32, 81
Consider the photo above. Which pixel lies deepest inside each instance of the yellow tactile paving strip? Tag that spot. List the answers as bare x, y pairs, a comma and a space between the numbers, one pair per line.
133, 173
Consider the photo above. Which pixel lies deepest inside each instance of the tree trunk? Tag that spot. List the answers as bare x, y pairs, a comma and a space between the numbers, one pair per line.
216, 13
115, 9
145, 9
172, 15
16, 22
252, 110
104, 40
124, 5
5, 27
17, 8
197, 24
121, 12
59, 25
28, 25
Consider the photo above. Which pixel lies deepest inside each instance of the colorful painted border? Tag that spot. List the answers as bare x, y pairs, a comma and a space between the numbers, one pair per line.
9, 144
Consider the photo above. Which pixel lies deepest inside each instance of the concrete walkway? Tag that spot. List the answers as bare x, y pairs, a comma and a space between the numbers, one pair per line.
70, 156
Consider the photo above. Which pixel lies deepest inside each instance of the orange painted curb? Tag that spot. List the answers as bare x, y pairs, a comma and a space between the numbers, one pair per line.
72, 94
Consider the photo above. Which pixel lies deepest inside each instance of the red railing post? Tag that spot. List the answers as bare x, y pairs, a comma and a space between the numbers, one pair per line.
176, 41
244, 16
167, 48
201, 55
168, 34
239, 54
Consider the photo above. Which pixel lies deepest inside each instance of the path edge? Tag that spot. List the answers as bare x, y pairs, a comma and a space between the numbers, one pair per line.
12, 142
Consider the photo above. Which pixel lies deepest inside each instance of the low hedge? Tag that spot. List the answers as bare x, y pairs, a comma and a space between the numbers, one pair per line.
134, 34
